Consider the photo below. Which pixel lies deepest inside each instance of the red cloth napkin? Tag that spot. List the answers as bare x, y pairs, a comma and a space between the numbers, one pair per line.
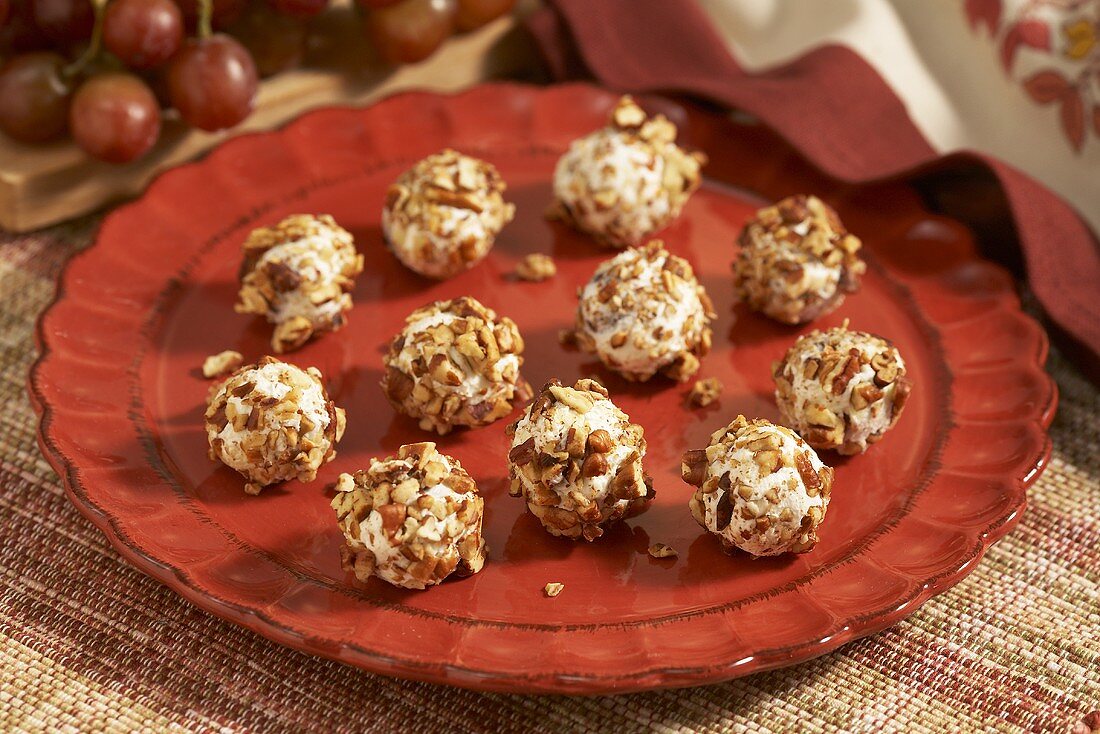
834, 107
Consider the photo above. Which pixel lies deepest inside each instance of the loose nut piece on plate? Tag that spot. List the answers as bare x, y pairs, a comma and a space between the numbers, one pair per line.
455, 364
626, 181
760, 488
644, 312
841, 389
553, 588
221, 363
443, 215
662, 550
272, 421
299, 275
705, 392
797, 261
576, 459
411, 520
536, 267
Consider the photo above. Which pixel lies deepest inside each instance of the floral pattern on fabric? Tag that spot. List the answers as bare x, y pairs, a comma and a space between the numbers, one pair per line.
1063, 69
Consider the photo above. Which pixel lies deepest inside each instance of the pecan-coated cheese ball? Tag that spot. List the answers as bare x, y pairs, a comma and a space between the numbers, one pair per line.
760, 488
577, 461
272, 421
443, 215
299, 274
624, 182
411, 520
797, 261
644, 312
841, 389
455, 364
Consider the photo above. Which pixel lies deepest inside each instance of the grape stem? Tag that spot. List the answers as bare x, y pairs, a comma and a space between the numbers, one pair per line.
99, 7
206, 13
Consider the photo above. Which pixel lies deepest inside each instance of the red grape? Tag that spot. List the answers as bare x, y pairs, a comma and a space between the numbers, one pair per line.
115, 117
411, 30
102, 63
64, 21
143, 33
155, 78
212, 82
276, 42
299, 8
34, 97
20, 34
476, 13
370, 4
226, 12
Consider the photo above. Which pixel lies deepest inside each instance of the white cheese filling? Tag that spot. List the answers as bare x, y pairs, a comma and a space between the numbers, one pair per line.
475, 386
608, 160
787, 485
678, 318
550, 432
268, 381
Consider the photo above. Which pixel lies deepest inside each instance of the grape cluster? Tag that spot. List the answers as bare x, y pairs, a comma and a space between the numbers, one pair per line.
106, 71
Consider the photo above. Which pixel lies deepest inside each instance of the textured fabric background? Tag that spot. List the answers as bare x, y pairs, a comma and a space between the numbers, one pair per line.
89, 644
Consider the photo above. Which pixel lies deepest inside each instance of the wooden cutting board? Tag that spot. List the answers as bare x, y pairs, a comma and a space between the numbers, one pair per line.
42, 185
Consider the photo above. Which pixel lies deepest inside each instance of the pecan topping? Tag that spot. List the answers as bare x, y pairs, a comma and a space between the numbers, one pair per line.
693, 467
594, 465
662, 550
536, 267
523, 454
599, 441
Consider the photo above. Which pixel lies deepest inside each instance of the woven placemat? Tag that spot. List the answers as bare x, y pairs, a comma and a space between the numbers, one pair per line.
89, 644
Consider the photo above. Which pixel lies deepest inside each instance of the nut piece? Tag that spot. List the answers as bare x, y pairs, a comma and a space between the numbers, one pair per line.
644, 312
455, 364
411, 520
660, 550
299, 275
536, 267
841, 389
705, 392
760, 488
576, 459
553, 588
272, 421
624, 182
443, 215
221, 363
797, 261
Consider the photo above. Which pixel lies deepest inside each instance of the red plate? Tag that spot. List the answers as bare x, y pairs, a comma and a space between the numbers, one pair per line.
121, 402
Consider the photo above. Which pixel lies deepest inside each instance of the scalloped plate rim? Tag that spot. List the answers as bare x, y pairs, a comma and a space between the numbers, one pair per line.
658, 677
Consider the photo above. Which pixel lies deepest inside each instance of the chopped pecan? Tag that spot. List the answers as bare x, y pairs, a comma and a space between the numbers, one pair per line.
594, 465
536, 267
523, 454
662, 550
693, 467
599, 441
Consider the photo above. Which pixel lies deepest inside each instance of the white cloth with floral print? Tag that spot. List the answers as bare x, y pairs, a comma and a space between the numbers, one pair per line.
1015, 79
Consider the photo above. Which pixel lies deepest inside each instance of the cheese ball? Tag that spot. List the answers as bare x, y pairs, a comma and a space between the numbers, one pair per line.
797, 261
760, 488
442, 215
299, 274
841, 389
644, 312
624, 182
412, 520
577, 461
455, 364
272, 421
